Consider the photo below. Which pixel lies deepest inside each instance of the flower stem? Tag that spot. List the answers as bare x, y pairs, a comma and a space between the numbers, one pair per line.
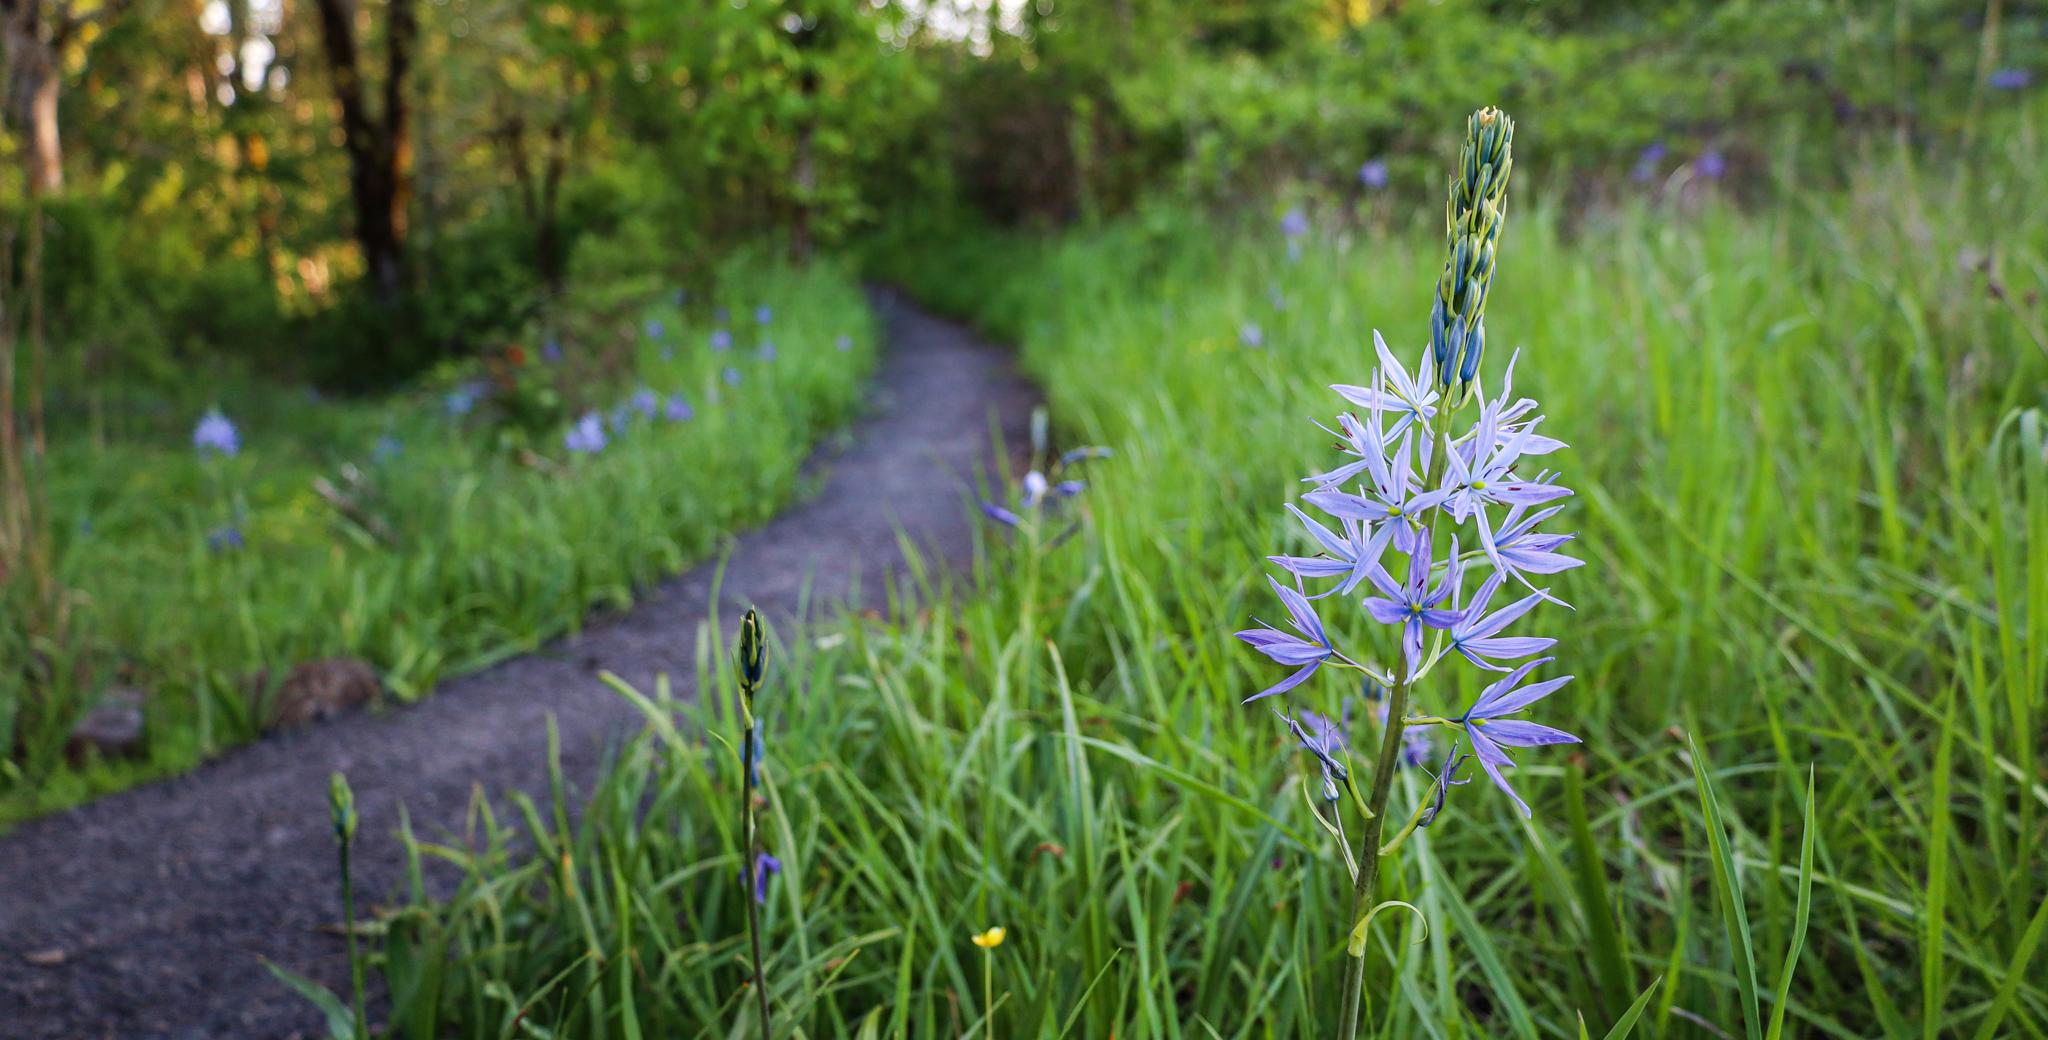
748, 867
355, 960
1362, 891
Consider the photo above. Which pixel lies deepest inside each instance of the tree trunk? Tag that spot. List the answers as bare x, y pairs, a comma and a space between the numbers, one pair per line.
32, 90
379, 151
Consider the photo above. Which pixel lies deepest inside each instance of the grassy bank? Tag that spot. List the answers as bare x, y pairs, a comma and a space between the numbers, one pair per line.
428, 532
1812, 466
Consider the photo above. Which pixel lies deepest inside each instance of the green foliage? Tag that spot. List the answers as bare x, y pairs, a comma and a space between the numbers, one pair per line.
1812, 453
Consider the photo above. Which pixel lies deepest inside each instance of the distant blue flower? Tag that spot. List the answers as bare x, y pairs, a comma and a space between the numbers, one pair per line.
655, 329
1373, 175
1275, 297
2010, 79
999, 514
215, 434
723, 315
1294, 224
1647, 161
621, 418
1489, 730
765, 867
1035, 487
1412, 604
1075, 455
462, 400
646, 402
586, 436
767, 350
668, 353
1306, 648
1710, 165
763, 315
679, 297
721, 339
551, 350
677, 409
1249, 334
844, 343
224, 539
386, 449
732, 376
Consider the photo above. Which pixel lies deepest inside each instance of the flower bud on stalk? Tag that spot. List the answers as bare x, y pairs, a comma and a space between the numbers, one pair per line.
1473, 214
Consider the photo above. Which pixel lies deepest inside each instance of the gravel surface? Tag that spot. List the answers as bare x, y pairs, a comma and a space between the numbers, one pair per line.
146, 914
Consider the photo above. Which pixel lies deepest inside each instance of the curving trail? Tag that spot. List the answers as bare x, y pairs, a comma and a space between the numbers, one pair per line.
162, 899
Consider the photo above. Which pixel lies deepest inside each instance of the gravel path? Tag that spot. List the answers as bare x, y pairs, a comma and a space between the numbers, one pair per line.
145, 914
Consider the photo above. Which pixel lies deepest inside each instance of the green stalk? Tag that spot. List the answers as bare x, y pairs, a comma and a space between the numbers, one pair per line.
747, 869
341, 809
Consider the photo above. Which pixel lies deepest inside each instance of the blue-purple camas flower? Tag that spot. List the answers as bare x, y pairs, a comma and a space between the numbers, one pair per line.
551, 350
763, 315
224, 539
1373, 175
732, 376
655, 329
767, 350
586, 435
1037, 491
216, 435
677, 409
844, 343
765, 867
2010, 79
1406, 477
646, 402
1711, 165
1249, 334
721, 340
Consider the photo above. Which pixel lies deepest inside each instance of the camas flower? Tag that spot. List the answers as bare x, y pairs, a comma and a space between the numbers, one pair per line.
1476, 636
767, 350
844, 343
763, 315
1373, 175
216, 434
765, 867
586, 436
1489, 730
646, 402
1408, 397
1352, 555
1325, 740
1412, 604
224, 539
2010, 79
551, 350
655, 329
1249, 334
732, 376
676, 409
1305, 651
721, 340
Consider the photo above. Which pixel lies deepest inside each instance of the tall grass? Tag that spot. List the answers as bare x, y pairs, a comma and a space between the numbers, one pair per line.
1812, 642
466, 550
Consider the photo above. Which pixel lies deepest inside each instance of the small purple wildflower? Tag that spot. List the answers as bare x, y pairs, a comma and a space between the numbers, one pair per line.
1647, 162
1250, 335
655, 329
732, 376
1476, 636
999, 514
721, 340
386, 449
462, 400
767, 350
1489, 730
1373, 175
765, 867
621, 418
844, 343
586, 435
763, 315
1294, 224
217, 435
676, 409
646, 402
1711, 165
224, 539
2010, 79
551, 350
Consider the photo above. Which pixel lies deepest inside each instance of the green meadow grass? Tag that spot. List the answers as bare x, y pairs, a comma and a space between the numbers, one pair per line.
485, 549
1811, 641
